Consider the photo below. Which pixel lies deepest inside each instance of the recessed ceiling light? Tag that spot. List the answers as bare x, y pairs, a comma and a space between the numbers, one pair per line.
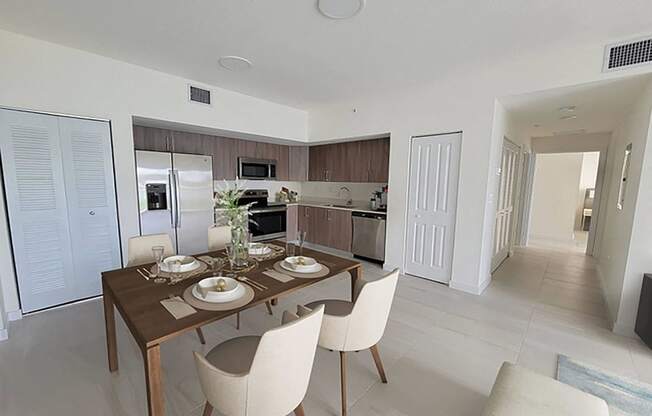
569, 117
234, 63
567, 109
340, 9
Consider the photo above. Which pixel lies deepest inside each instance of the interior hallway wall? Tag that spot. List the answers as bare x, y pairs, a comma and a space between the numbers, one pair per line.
626, 252
554, 196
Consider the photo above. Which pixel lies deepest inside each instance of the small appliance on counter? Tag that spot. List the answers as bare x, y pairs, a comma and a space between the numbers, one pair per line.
286, 195
378, 201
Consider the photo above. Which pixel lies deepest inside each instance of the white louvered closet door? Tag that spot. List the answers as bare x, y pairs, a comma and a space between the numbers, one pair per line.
90, 192
36, 201
503, 228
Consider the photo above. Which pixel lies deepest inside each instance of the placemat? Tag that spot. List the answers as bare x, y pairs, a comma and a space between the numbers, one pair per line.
226, 306
323, 272
281, 277
179, 277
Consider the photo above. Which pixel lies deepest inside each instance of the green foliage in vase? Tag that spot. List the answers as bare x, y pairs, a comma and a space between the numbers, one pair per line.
226, 201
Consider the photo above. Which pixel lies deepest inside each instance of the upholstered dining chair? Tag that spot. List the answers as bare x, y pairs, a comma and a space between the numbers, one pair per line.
262, 376
139, 248
139, 251
359, 325
218, 237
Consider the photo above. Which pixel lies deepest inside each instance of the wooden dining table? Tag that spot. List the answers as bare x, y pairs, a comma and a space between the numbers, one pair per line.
138, 302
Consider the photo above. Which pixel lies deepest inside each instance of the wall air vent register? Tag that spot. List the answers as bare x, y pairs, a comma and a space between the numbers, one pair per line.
628, 54
199, 95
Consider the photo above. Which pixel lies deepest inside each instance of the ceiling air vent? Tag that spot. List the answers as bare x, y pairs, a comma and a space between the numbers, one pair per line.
200, 95
628, 54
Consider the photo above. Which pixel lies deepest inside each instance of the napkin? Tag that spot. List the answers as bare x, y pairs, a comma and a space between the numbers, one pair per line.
281, 277
178, 307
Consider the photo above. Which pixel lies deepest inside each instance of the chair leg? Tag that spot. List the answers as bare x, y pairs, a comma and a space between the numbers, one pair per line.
379, 364
269, 308
299, 410
237, 320
200, 334
343, 380
208, 409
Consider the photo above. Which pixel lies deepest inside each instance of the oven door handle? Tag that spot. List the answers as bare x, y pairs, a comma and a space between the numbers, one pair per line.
262, 211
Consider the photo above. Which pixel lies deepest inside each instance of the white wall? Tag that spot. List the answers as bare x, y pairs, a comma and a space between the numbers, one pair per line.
626, 250
463, 100
554, 196
46, 77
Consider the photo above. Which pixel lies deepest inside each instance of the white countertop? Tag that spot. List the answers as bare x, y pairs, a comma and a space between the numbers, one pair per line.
325, 204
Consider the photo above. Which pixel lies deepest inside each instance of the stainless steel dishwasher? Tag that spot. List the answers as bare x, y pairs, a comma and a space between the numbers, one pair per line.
369, 235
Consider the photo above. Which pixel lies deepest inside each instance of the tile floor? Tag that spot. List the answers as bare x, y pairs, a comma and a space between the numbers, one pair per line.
442, 348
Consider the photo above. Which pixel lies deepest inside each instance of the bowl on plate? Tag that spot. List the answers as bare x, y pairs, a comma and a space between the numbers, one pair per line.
259, 249
301, 264
208, 289
186, 264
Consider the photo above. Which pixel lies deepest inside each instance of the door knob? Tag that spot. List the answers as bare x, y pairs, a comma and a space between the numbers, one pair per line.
91, 212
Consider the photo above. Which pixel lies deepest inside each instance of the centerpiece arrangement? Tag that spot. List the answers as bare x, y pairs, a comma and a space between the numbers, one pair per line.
237, 217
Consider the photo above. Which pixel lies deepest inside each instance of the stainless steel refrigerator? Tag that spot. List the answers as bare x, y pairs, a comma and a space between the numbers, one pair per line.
175, 196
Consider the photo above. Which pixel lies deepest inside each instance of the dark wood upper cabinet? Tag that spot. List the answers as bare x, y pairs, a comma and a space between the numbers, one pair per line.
247, 148
298, 163
154, 139
191, 143
359, 161
224, 151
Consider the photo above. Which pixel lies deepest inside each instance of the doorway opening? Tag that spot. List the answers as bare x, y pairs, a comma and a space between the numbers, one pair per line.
563, 196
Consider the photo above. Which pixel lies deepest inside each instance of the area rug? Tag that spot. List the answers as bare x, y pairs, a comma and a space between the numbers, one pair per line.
624, 396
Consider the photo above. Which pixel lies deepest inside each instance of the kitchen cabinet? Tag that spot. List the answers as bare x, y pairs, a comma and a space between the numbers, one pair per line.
298, 163
292, 222
154, 139
225, 160
358, 161
190, 143
326, 227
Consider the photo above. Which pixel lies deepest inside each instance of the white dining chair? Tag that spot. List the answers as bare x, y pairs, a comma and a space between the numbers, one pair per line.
262, 376
218, 237
139, 248
359, 325
139, 251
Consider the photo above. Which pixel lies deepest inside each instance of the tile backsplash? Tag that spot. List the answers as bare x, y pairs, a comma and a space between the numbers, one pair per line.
360, 192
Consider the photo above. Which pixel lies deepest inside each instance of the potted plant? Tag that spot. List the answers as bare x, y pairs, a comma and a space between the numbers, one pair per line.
237, 217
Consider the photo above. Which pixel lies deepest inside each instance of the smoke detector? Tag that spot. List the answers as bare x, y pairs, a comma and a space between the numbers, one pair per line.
340, 9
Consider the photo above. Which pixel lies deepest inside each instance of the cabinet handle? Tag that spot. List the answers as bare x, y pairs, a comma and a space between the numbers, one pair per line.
91, 212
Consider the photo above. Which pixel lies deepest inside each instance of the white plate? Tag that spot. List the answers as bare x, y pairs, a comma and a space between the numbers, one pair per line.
259, 250
234, 290
188, 263
310, 265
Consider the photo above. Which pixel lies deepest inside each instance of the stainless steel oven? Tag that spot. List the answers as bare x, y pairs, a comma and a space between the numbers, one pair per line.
264, 169
268, 221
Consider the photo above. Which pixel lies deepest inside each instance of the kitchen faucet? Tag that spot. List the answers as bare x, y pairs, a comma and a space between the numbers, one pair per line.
349, 201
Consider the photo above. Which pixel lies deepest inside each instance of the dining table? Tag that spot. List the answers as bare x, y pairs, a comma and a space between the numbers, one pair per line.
138, 301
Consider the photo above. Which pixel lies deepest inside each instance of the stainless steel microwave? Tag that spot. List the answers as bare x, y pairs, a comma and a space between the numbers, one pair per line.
256, 168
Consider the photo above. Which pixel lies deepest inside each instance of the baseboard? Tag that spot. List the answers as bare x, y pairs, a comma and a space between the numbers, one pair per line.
16, 315
624, 330
4, 335
464, 287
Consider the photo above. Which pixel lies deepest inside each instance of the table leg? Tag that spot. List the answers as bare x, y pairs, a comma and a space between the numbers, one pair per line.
356, 274
152, 358
109, 325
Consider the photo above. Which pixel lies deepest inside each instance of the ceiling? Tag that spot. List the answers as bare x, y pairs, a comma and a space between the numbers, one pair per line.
599, 107
300, 57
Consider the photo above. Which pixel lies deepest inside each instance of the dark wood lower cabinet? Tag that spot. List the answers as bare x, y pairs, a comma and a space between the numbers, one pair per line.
326, 227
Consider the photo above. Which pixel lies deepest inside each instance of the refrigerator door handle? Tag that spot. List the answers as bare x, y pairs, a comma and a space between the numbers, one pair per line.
173, 199
175, 175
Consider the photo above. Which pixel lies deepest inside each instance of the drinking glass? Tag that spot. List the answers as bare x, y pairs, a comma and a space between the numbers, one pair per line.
302, 239
289, 249
231, 253
158, 251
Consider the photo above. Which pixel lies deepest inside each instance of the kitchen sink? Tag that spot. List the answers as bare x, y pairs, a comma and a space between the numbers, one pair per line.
339, 206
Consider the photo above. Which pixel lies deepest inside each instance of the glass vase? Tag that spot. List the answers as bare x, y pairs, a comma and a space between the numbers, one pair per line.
240, 242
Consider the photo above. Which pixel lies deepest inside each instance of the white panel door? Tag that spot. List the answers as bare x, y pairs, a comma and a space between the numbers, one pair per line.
36, 203
193, 176
503, 233
432, 193
90, 191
